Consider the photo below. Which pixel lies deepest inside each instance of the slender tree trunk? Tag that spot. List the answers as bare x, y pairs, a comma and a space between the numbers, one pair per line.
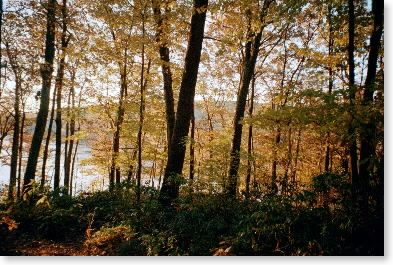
130, 170
115, 173
47, 142
21, 151
352, 97
161, 39
67, 134
73, 166
276, 142
192, 145
367, 132
67, 171
15, 140
250, 139
251, 53
330, 89
288, 163
296, 157
16, 129
59, 86
143, 85
170, 186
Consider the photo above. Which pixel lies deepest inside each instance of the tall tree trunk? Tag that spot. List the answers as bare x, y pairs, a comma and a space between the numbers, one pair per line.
367, 132
294, 170
143, 85
73, 166
21, 151
16, 129
177, 149
67, 134
46, 73
330, 89
251, 53
15, 140
59, 86
68, 156
1, 54
352, 96
276, 142
161, 39
250, 138
47, 142
192, 145
285, 181
115, 174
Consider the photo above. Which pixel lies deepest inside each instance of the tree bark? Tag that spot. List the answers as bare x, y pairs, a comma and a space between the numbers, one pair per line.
174, 167
18, 191
250, 139
47, 142
192, 145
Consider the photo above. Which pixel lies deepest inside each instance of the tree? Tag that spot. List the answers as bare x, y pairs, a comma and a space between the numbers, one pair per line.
367, 132
59, 87
176, 152
15, 139
352, 96
46, 74
162, 41
251, 54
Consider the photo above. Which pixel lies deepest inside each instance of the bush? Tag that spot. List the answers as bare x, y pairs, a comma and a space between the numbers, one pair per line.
109, 241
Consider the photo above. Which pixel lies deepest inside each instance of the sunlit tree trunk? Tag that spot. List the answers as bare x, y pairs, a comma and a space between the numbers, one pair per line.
297, 152
47, 142
170, 186
18, 191
59, 87
192, 145
68, 156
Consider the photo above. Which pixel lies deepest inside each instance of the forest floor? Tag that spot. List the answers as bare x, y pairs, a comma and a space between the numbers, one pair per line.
33, 247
